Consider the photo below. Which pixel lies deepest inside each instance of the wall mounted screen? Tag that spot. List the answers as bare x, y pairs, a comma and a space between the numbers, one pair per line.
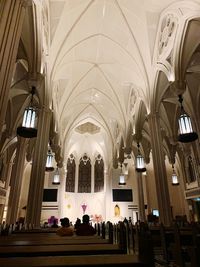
123, 195
155, 212
50, 195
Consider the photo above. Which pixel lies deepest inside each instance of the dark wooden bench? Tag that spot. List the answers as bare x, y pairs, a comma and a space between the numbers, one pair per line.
49, 240
78, 261
38, 231
50, 250
183, 244
178, 246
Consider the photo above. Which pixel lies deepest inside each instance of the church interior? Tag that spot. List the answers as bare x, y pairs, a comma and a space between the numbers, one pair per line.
99, 111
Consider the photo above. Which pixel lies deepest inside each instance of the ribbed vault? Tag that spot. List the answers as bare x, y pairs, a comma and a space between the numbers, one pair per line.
101, 61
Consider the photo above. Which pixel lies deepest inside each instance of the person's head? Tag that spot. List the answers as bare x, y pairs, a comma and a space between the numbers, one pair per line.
64, 222
86, 218
78, 220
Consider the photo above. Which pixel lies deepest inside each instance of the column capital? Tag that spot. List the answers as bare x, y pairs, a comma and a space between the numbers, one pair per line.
46, 109
35, 79
153, 115
26, 3
3, 192
172, 153
178, 87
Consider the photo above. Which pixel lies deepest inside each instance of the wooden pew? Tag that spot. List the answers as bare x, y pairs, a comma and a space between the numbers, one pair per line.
42, 244
34, 231
145, 247
50, 241
178, 246
78, 261
50, 238
32, 235
110, 232
184, 244
49, 250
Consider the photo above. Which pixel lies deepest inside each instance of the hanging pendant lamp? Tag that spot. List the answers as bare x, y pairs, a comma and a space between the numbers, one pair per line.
122, 178
49, 162
56, 177
125, 168
28, 128
186, 133
140, 164
174, 177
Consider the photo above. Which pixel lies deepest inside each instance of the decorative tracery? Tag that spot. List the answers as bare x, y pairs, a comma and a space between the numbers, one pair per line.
191, 170
99, 174
71, 170
84, 179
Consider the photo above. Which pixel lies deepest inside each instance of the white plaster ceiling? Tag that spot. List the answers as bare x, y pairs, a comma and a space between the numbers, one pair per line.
100, 51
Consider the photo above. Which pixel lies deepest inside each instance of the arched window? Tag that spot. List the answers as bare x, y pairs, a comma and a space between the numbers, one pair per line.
191, 170
98, 174
71, 170
84, 179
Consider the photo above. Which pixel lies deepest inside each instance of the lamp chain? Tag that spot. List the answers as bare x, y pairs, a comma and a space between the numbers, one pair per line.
181, 101
32, 94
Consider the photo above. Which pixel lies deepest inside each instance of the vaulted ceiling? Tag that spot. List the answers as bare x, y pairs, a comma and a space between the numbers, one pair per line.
100, 66
106, 64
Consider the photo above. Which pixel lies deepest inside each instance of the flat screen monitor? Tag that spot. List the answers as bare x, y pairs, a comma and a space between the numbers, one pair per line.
50, 195
156, 212
123, 195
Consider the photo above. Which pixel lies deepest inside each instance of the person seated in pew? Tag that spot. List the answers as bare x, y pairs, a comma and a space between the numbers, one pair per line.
65, 229
54, 225
85, 228
77, 223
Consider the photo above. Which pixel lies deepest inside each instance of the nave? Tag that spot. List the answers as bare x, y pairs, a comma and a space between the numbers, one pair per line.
99, 114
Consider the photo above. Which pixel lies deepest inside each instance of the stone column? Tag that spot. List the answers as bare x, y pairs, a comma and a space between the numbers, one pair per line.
141, 206
4, 190
11, 19
76, 175
149, 205
109, 207
61, 191
16, 181
34, 205
9, 167
160, 170
92, 176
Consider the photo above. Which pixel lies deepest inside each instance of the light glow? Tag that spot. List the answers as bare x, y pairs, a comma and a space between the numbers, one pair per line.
56, 177
122, 180
185, 125
29, 119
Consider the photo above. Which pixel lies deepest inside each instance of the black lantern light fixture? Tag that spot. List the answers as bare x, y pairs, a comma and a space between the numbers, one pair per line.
174, 177
122, 178
56, 177
186, 133
49, 162
140, 164
28, 128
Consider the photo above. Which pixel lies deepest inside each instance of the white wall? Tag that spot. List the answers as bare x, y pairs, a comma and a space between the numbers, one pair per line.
101, 204
98, 204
